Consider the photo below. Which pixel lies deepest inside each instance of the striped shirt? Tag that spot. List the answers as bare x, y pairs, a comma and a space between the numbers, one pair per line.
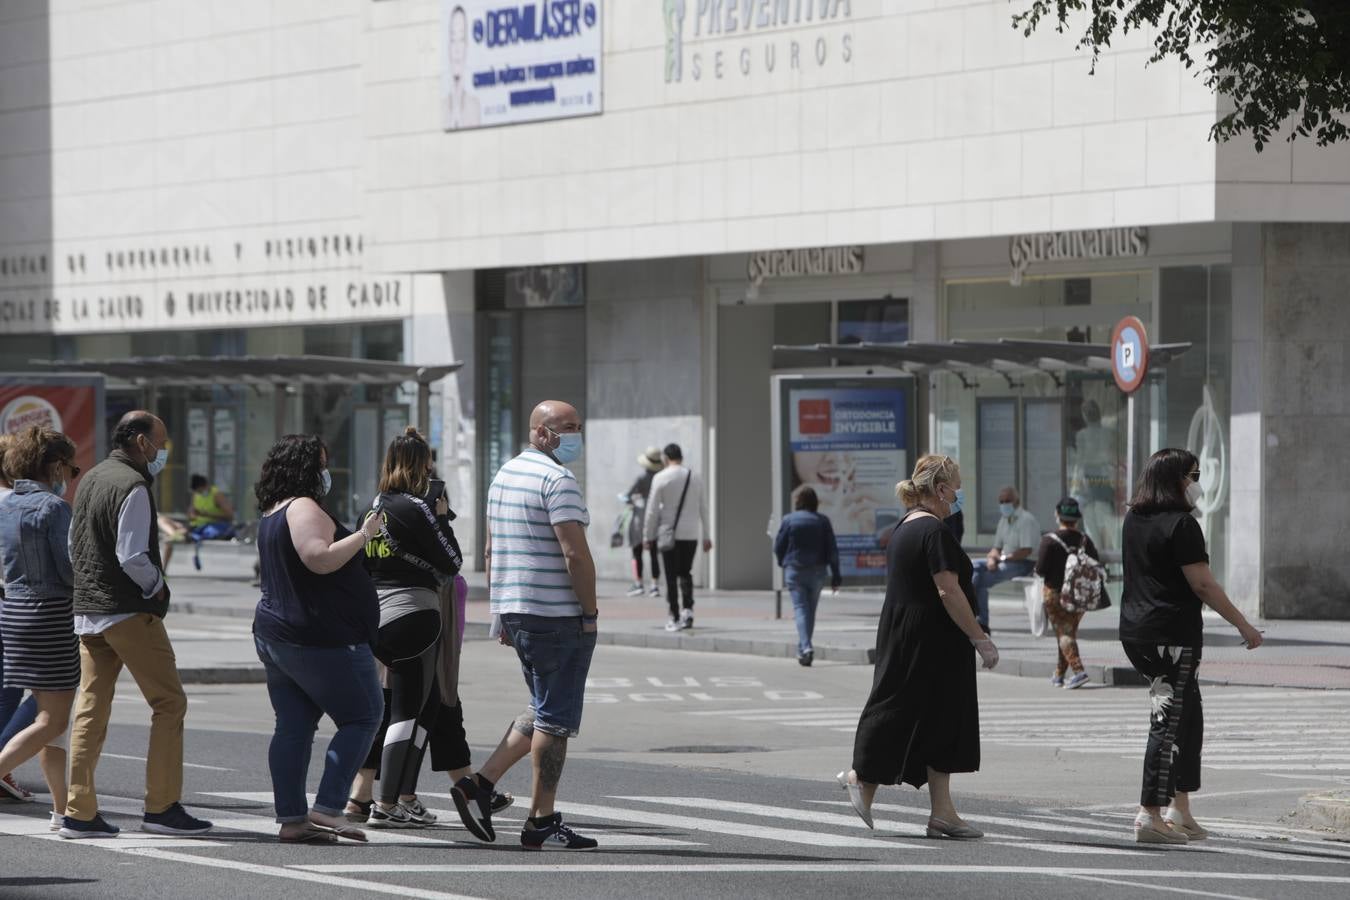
529, 495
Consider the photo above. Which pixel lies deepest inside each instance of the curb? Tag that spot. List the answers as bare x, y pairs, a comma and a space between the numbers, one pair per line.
1328, 811
242, 674
779, 649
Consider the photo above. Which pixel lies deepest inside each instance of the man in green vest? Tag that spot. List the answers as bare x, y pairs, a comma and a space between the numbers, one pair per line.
120, 602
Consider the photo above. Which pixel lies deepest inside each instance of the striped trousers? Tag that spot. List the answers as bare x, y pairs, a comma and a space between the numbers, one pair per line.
1176, 728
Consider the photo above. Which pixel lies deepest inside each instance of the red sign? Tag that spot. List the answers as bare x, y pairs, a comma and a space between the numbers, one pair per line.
1129, 354
813, 416
69, 409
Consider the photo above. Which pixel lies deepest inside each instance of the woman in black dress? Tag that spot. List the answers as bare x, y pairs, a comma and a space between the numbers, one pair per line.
922, 720
1167, 580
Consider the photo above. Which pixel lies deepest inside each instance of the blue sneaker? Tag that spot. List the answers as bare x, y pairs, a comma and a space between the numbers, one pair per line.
1057, 681
554, 836
1078, 680
97, 827
175, 821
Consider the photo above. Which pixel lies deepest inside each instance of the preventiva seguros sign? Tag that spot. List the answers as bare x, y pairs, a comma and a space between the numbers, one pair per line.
713, 40
504, 63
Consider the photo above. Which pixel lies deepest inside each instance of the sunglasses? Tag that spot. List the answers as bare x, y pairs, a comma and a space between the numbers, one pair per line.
1194, 476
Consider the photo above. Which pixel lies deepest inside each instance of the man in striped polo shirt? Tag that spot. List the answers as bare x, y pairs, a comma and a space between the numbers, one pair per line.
542, 585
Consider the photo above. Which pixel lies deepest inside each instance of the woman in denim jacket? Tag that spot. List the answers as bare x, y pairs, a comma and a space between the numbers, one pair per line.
41, 650
806, 548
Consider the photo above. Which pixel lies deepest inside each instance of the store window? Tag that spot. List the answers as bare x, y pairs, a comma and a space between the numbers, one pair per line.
873, 321
1195, 305
1045, 434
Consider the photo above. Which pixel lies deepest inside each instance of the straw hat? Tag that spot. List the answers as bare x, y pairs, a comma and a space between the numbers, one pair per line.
651, 460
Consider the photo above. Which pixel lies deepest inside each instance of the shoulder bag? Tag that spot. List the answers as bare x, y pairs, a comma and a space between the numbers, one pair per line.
665, 535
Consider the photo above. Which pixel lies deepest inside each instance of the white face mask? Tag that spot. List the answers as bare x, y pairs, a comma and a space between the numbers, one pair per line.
1194, 493
325, 483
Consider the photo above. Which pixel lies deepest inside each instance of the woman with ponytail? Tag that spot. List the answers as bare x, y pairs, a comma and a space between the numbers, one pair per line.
921, 722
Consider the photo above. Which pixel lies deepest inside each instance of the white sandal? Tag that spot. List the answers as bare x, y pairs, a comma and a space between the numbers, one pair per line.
855, 798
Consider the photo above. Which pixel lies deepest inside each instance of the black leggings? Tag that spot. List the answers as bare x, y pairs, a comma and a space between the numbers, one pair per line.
408, 647
679, 574
637, 563
1176, 725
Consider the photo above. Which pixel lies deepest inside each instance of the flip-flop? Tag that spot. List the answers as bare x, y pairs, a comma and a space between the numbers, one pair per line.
311, 835
342, 831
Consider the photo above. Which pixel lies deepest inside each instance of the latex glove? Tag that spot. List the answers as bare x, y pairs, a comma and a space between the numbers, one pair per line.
988, 653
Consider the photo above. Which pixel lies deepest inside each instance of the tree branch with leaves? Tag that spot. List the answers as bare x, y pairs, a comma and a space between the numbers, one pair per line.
1282, 63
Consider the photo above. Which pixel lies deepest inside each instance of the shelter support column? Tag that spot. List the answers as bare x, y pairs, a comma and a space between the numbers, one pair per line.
1246, 567
278, 411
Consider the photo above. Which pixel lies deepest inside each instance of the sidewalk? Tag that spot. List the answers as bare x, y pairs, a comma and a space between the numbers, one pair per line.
214, 645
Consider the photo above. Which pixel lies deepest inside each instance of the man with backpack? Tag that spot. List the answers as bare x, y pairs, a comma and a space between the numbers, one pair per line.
1075, 583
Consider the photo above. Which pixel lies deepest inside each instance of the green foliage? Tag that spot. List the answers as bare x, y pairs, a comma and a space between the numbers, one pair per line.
1281, 62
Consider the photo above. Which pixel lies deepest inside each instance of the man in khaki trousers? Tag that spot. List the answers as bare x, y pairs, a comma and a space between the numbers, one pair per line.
120, 602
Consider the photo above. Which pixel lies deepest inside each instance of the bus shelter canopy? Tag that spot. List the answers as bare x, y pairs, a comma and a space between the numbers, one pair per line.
282, 371
1010, 359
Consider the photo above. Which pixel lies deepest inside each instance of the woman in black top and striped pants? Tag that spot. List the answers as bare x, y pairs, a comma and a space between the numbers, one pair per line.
1167, 580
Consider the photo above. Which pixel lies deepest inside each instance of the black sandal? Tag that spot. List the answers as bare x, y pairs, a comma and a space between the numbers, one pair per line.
361, 817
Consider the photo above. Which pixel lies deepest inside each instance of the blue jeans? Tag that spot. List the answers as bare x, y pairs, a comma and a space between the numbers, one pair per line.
984, 579
555, 656
805, 584
305, 683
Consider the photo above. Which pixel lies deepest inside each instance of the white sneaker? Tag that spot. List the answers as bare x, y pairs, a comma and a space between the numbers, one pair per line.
655, 590
672, 624
58, 821
635, 590
687, 619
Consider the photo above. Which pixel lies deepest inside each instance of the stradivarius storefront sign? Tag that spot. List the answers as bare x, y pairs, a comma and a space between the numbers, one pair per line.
806, 262
720, 40
1093, 243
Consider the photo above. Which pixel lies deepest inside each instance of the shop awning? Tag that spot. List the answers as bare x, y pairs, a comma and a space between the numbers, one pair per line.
253, 370
1009, 359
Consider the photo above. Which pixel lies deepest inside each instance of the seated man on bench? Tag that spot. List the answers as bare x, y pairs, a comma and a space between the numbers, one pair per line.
1018, 536
212, 516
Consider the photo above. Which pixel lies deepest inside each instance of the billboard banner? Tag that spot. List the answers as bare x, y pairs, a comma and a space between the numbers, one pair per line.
849, 438
507, 62
72, 406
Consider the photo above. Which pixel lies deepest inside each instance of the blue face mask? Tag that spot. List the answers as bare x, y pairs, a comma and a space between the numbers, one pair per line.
1007, 509
156, 465
569, 447
325, 483
958, 502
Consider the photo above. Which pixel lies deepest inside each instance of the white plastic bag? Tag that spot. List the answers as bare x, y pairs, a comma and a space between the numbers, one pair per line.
1034, 592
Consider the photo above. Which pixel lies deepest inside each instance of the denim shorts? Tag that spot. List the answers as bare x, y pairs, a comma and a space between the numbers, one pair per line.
555, 657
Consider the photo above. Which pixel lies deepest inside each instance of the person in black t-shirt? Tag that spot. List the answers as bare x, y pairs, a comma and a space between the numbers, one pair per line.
1050, 561
1167, 580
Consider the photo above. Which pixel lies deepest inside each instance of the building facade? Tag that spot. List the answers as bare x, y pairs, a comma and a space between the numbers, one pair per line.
629, 205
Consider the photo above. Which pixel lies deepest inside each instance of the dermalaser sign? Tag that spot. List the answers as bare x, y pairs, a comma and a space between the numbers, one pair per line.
504, 63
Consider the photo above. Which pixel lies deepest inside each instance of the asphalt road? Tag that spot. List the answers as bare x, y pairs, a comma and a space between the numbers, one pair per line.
712, 775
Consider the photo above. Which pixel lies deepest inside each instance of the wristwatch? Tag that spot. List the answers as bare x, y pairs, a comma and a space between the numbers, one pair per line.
590, 620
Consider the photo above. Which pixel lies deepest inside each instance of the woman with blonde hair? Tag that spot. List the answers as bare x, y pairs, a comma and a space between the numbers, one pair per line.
922, 719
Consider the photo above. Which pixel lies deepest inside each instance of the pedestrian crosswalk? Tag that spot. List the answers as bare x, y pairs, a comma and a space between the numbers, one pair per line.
808, 832
1293, 732
694, 821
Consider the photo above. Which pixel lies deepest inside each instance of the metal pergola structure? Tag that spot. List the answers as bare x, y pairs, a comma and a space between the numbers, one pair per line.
277, 372
967, 360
